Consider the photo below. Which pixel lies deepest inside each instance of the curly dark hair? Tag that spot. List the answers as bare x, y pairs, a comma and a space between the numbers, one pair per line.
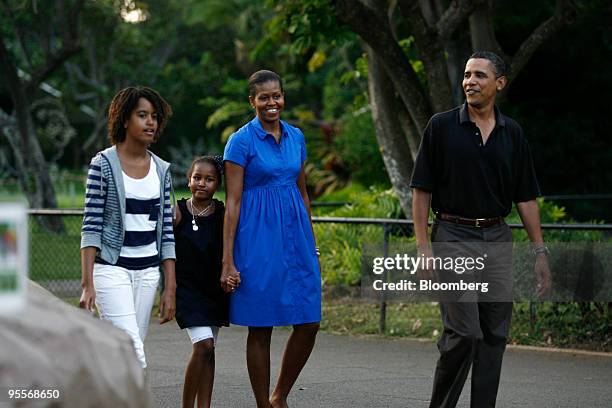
215, 161
125, 102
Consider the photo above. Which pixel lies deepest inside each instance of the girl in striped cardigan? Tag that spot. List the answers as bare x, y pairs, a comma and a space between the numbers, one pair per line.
127, 226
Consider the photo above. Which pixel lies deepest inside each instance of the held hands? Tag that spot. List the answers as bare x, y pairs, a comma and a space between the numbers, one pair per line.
167, 305
542, 272
88, 298
230, 278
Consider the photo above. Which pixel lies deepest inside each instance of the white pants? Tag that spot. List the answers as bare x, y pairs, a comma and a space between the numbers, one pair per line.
199, 333
125, 298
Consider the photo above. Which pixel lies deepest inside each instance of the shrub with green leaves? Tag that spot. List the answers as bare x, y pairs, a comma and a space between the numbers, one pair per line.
341, 244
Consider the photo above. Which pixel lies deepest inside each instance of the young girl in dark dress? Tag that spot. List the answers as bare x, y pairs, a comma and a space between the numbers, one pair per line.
201, 304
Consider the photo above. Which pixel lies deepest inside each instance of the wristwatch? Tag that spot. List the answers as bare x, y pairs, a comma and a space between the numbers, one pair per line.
541, 249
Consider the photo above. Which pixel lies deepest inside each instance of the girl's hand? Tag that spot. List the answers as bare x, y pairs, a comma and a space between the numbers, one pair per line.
88, 298
167, 306
230, 278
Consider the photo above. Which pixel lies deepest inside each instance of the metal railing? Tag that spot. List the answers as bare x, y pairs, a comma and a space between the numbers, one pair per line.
389, 221
55, 260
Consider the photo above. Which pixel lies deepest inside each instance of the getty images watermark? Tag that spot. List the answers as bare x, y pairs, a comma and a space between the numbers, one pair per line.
489, 272
404, 263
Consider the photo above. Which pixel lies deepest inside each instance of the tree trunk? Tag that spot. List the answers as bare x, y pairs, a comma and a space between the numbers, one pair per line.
481, 30
454, 47
372, 25
34, 174
431, 51
393, 138
36, 179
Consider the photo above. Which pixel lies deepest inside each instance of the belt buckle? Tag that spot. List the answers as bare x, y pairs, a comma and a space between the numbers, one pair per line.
478, 221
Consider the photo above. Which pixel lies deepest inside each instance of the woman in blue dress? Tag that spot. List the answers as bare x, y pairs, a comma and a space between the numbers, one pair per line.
270, 262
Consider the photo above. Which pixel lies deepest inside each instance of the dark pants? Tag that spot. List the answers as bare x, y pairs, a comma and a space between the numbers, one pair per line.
474, 332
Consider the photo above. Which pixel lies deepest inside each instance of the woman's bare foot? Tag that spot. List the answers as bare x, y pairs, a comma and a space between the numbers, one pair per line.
277, 402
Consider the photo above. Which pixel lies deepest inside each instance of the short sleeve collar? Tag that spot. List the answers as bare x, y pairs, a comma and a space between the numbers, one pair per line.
261, 133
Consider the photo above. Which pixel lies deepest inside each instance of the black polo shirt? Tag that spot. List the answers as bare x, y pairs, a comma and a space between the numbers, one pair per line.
467, 178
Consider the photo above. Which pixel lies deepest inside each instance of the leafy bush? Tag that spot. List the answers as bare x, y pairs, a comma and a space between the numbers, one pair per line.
341, 244
554, 214
567, 324
357, 147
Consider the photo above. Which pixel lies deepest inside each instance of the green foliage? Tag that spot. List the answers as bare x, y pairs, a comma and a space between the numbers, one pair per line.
570, 324
375, 202
552, 213
341, 244
360, 71
356, 144
344, 194
216, 13
225, 112
411, 52
308, 24
230, 110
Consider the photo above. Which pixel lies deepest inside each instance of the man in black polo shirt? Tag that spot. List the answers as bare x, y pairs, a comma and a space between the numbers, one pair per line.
472, 164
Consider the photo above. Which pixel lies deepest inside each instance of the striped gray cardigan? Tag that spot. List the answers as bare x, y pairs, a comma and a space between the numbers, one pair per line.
103, 220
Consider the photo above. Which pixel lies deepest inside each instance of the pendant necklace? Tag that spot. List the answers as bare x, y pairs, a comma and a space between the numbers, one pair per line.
202, 213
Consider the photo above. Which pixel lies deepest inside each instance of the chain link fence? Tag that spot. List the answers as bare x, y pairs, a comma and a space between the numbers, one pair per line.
55, 260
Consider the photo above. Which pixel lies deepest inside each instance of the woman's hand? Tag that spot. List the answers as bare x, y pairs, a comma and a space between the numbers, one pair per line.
167, 305
88, 298
234, 178
230, 278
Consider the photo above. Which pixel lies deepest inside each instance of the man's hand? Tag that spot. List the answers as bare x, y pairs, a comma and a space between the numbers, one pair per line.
230, 278
88, 298
421, 201
167, 305
542, 272
425, 273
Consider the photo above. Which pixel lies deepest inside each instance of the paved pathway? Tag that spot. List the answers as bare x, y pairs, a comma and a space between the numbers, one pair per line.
355, 372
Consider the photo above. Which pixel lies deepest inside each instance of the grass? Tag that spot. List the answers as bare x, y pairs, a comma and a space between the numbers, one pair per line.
354, 316
556, 325
55, 256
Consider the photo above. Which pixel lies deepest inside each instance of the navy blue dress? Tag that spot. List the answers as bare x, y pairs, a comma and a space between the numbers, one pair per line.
200, 300
274, 247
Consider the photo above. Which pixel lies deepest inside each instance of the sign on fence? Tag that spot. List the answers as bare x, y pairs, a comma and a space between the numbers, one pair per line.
13, 256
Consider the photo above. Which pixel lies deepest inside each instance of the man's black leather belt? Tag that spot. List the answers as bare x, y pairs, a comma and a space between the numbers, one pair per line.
472, 222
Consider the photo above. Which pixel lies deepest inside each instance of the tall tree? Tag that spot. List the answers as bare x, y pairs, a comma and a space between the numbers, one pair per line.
403, 94
35, 41
117, 53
